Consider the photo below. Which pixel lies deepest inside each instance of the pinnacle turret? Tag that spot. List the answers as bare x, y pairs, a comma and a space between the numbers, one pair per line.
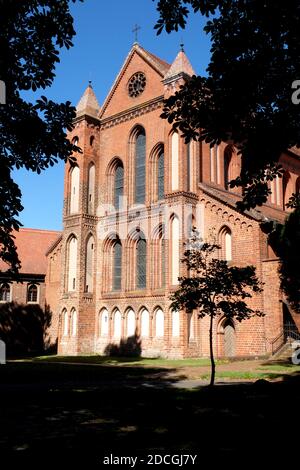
88, 103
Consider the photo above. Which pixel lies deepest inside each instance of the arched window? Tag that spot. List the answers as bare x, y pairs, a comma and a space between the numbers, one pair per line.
225, 240
72, 263
5, 293
286, 189
89, 264
74, 190
191, 166
65, 318
92, 139
130, 323
159, 324
275, 187
175, 323
161, 176
175, 252
73, 322
118, 186
141, 264
117, 325
145, 323
140, 167
91, 189
32, 293
103, 322
75, 140
175, 161
117, 266
158, 258
191, 318
227, 160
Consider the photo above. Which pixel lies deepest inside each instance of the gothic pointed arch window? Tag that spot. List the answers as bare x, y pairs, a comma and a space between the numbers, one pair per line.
174, 161
145, 323
286, 188
141, 263
5, 292
65, 322
130, 324
91, 189
175, 249
158, 257
161, 175
103, 322
157, 173
175, 323
118, 185
159, 323
117, 333
227, 166
225, 241
74, 189
115, 182
117, 265
191, 326
89, 264
71, 263
73, 322
140, 167
191, 166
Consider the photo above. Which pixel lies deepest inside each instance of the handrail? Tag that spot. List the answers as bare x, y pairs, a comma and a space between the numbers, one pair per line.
283, 337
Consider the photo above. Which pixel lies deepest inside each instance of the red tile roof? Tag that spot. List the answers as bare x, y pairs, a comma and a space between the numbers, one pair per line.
32, 245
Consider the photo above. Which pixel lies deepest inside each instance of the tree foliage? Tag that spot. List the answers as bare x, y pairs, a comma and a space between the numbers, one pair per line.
285, 240
246, 97
32, 135
215, 288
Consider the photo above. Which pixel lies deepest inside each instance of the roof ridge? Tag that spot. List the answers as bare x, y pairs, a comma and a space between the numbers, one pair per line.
27, 229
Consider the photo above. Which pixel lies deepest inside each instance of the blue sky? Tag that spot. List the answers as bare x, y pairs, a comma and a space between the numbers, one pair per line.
103, 40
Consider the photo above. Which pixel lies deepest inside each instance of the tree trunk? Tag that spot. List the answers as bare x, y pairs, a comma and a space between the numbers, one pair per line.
211, 351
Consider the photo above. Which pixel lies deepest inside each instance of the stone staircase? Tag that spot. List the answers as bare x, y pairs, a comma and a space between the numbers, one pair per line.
285, 352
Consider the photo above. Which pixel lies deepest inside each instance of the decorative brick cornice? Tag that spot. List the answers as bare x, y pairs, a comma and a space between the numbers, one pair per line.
132, 113
174, 196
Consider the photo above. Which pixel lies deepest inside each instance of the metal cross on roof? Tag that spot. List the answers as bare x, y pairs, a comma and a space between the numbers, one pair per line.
135, 31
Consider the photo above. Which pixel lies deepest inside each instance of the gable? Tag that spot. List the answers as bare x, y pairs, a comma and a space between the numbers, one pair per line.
138, 60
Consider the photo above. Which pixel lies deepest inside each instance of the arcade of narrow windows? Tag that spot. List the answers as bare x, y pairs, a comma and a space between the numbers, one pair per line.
142, 324
69, 323
283, 188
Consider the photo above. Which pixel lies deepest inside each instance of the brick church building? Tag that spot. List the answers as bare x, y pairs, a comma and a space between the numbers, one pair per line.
129, 206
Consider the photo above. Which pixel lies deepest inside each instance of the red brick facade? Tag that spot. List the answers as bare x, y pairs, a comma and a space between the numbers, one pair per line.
195, 193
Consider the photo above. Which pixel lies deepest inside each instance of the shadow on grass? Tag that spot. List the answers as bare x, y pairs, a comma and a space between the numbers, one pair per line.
89, 413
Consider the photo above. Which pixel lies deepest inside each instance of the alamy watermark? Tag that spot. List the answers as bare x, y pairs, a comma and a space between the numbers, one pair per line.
296, 353
128, 220
2, 92
296, 93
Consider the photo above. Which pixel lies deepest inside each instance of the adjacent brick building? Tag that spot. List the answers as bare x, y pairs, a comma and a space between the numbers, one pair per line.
30, 289
129, 206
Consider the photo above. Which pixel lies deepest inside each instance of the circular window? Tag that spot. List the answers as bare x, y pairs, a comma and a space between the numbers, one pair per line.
136, 84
